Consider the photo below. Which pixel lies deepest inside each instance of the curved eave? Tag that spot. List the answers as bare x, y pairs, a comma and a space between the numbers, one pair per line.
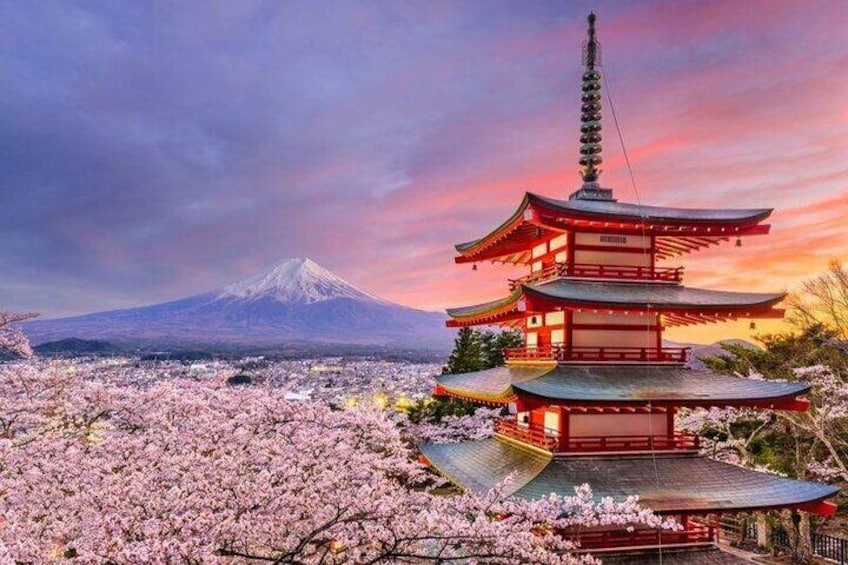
514, 237
610, 385
681, 305
678, 230
676, 484
492, 312
786, 400
666, 484
661, 298
606, 210
488, 386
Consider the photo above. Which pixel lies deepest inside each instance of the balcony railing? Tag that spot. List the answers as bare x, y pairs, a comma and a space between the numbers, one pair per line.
561, 353
540, 437
601, 444
623, 272
532, 435
693, 534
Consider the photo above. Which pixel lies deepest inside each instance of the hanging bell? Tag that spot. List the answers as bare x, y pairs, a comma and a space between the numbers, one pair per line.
738, 242
474, 266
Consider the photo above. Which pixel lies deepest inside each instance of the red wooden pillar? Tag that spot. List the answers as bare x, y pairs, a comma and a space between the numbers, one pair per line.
669, 422
659, 330
653, 256
570, 252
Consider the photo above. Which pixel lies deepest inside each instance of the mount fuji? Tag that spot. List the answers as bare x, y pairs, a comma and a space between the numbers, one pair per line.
293, 302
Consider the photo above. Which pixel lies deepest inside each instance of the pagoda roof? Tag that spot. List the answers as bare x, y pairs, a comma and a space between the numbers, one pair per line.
584, 385
664, 483
490, 385
685, 229
657, 214
573, 294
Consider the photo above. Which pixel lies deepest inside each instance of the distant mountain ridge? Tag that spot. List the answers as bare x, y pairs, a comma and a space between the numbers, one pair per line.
294, 301
701, 350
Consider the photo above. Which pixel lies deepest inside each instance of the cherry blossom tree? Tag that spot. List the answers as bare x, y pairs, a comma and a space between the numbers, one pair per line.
811, 444
453, 428
12, 339
187, 471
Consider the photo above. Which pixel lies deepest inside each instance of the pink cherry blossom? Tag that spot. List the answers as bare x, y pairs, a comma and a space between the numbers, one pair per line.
193, 471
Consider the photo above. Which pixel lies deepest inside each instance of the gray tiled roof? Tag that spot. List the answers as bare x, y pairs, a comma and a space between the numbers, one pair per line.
693, 556
629, 383
640, 294
618, 383
493, 383
464, 311
665, 483
631, 212
653, 213
636, 295
478, 466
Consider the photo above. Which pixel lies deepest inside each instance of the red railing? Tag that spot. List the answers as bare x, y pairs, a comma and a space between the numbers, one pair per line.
631, 443
532, 435
626, 272
537, 436
537, 353
599, 354
693, 534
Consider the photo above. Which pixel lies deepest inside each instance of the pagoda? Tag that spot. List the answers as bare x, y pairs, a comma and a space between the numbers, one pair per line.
593, 393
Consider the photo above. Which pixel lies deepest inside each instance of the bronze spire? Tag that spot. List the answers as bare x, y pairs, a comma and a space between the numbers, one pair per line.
590, 126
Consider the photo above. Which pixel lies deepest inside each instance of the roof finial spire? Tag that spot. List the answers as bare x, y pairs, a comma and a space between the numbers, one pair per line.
590, 126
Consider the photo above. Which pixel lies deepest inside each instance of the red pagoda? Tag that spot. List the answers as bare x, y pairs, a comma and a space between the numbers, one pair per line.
593, 392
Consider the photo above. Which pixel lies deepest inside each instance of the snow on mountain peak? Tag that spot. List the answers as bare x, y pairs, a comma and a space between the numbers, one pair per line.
300, 280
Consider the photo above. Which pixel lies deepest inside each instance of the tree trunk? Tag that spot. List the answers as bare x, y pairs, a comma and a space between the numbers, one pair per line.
763, 531
797, 526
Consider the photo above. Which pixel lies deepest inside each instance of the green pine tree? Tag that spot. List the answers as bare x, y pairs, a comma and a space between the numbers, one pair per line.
466, 356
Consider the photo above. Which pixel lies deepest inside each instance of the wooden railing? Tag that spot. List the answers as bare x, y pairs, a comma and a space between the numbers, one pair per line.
532, 435
597, 444
537, 436
599, 354
642, 538
624, 272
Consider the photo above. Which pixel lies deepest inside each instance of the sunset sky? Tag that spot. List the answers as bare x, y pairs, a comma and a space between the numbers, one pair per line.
151, 151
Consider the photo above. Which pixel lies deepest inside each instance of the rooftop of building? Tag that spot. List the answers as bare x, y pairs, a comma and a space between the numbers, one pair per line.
574, 294
669, 484
617, 384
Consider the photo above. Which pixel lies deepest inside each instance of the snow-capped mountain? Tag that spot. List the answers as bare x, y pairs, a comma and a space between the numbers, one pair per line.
293, 302
299, 280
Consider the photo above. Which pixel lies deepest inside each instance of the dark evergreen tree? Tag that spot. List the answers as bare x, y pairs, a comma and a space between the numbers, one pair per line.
466, 356
475, 350
506, 340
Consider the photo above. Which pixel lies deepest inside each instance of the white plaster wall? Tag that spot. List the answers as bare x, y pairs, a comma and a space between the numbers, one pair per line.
554, 318
616, 318
582, 256
540, 250
617, 338
557, 336
559, 241
636, 241
588, 425
551, 424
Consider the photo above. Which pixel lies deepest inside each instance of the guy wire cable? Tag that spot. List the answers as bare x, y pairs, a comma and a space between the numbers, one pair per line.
645, 251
